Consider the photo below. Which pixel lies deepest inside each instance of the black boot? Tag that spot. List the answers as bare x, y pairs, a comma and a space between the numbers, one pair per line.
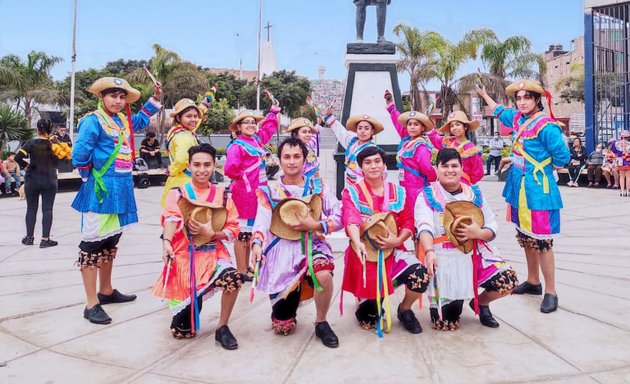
324, 332
549, 303
485, 316
410, 321
225, 337
525, 287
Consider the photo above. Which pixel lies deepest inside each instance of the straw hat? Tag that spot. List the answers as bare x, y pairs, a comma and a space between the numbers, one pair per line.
299, 123
184, 104
353, 121
283, 215
114, 82
421, 117
462, 118
380, 224
525, 84
202, 212
457, 213
241, 116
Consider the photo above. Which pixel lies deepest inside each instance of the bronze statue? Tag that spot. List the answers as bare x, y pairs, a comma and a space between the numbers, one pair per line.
381, 14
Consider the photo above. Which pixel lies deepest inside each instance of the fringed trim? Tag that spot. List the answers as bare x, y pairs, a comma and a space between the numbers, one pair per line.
264, 197
429, 198
283, 327
470, 152
478, 201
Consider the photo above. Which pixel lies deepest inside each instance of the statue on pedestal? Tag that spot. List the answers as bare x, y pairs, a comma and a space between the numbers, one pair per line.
381, 14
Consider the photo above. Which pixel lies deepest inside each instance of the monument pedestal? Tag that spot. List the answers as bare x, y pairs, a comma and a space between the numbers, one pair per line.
368, 76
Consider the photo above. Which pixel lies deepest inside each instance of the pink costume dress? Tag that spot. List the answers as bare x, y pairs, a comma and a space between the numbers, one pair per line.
472, 162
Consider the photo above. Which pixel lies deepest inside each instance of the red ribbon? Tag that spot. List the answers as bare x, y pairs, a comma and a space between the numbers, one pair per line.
476, 261
131, 138
548, 96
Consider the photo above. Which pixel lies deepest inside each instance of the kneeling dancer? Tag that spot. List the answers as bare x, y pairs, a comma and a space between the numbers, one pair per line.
197, 218
378, 219
456, 219
293, 216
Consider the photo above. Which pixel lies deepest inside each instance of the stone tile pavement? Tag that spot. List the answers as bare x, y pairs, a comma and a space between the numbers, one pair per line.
45, 339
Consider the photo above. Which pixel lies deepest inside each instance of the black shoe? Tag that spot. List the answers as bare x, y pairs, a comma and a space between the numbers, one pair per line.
28, 240
324, 332
96, 315
528, 288
549, 303
410, 321
225, 337
115, 297
47, 243
485, 316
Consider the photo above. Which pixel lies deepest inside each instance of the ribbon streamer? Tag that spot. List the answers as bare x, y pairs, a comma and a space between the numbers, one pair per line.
307, 248
166, 276
194, 309
254, 281
476, 260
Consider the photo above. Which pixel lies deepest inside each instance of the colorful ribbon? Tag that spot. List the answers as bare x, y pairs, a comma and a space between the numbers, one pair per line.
381, 284
254, 281
194, 309
307, 249
476, 261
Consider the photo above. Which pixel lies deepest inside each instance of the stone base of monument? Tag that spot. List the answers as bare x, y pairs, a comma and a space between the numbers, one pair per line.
369, 75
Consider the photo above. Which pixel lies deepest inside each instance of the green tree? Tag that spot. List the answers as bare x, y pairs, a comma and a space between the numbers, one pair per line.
218, 117
13, 126
572, 87
27, 83
122, 67
289, 88
229, 87
84, 101
417, 57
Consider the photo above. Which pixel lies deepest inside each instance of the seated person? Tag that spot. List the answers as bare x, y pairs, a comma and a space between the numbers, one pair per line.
272, 165
62, 135
11, 172
150, 149
594, 166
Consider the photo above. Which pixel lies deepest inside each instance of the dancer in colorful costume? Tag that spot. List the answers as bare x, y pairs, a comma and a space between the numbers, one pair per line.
197, 219
245, 165
294, 216
304, 130
357, 135
414, 151
378, 219
621, 149
187, 117
103, 154
460, 127
530, 190
455, 224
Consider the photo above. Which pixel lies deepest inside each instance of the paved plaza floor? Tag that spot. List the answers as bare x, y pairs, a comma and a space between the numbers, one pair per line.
45, 339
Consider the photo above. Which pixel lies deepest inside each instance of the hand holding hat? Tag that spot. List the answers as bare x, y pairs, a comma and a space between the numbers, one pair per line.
465, 232
389, 242
203, 229
305, 223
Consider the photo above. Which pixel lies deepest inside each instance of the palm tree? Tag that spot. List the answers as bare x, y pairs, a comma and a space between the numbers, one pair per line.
507, 60
13, 126
572, 87
28, 82
417, 56
450, 58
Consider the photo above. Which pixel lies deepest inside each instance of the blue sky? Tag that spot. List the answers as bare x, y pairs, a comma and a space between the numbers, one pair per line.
305, 34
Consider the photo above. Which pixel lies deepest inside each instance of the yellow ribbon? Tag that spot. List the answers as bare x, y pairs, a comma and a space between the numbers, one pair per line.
539, 167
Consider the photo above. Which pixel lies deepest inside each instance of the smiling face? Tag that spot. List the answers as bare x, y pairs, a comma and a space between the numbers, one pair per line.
526, 102
365, 131
201, 166
458, 129
414, 127
188, 118
292, 160
304, 134
247, 126
114, 102
373, 167
449, 174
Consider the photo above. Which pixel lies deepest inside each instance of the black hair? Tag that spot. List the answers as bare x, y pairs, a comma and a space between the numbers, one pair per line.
150, 135
447, 154
293, 142
177, 117
44, 126
62, 125
370, 151
112, 90
10, 154
537, 97
202, 148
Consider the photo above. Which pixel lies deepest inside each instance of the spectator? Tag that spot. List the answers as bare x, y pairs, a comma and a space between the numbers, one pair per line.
1, 173
578, 157
609, 167
40, 179
62, 135
496, 147
11, 171
272, 165
150, 149
594, 162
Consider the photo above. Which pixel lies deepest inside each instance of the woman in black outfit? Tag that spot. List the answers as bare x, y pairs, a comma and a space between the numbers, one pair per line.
40, 179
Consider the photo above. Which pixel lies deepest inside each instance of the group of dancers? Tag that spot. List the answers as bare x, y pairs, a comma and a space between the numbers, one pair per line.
279, 228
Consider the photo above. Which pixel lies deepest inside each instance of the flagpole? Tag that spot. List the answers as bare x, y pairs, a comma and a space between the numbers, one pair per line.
259, 48
73, 69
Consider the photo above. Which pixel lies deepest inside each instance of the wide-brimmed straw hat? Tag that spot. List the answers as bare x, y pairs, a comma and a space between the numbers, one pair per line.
524, 85
462, 118
421, 117
380, 224
184, 104
241, 116
114, 82
457, 213
353, 121
299, 123
283, 215
202, 212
